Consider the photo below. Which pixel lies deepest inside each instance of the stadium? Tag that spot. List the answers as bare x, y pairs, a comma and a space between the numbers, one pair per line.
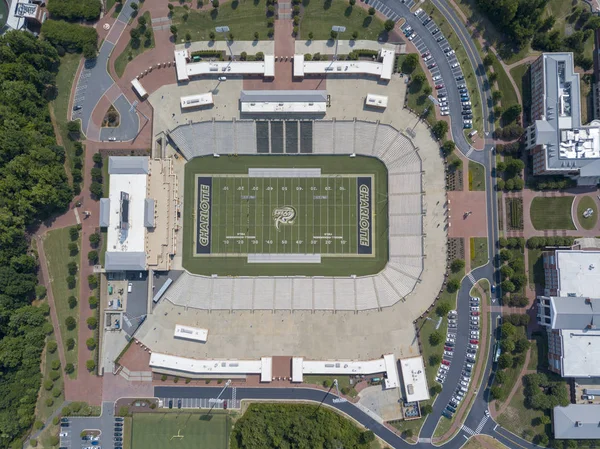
298, 215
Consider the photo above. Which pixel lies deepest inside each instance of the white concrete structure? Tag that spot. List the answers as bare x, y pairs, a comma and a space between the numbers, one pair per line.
385, 365
187, 70
138, 88
580, 353
191, 333
283, 101
377, 101
196, 101
578, 273
383, 68
414, 379
219, 368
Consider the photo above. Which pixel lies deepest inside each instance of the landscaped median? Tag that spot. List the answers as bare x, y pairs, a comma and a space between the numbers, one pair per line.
142, 39
62, 255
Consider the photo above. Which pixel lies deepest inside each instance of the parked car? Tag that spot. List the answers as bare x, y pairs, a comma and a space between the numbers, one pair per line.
463, 383
439, 380
437, 77
426, 53
412, 36
431, 66
77, 107
444, 113
119, 419
455, 65
445, 363
450, 53
474, 342
461, 86
435, 31
448, 348
440, 38
439, 86
474, 346
471, 351
460, 78
448, 353
474, 313
427, 20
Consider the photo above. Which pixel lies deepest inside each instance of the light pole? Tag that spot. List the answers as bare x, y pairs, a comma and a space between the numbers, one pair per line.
337, 29
225, 29
216, 400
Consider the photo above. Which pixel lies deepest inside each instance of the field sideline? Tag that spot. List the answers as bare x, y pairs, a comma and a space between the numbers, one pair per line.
322, 214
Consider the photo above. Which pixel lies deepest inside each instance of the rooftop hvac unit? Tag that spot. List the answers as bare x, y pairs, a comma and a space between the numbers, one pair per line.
578, 423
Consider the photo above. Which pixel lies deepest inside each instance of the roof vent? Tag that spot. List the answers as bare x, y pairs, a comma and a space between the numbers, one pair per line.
588, 301
578, 423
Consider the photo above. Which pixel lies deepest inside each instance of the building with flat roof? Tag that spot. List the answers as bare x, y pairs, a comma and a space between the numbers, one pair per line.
382, 68
414, 379
557, 140
572, 273
283, 101
573, 327
576, 422
140, 214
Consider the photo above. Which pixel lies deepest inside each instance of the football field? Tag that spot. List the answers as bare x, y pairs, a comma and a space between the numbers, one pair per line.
329, 215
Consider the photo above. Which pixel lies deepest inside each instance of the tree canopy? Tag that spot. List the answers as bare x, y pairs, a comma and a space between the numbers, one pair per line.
75, 9
295, 426
33, 186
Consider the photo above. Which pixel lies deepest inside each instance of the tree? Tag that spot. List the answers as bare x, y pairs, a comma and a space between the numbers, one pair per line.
453, 285
55, 365
407, 433
311, 35
173, 29
440, 129
496, 96
427, 90
448, 148
434, 359
457, 265
443, 308
171, 8
507, 345
70, 322
372, 11
135, 32
70, 343
436, 389
426, 409
51, 346
53, 440
333, 34
495, 392
389, 25
508, 286
243, 56
504, 361
69, 368
522, 345
256, 35
492, 77
92, 322
410, 63
72, 300
54, 375
354, 33
352, 2
211, 35
367, 436
215, 4
56, 392
72, 267
93, 300
96, 189
73, 233
94, 239
500, 377
48, 384
93, 256
511, 113
141, 21
90, 343
488, 60
90, 365
435, 338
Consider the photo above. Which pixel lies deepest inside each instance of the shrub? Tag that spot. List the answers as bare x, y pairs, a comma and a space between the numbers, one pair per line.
33, 441
69, 368
72, 301
372, 11
93, 256
72, 37
93, 280
40, 291
434, 359
94, 239
435, 338
49, 402
52, 346
54, 375
443, 308
55, 365
48, 384
56, 392
215, 4
345, 390
367, 437
495, 392
260, 56
97, 158
70, 343
90, 365
163, 377
327, 383
426, 409
457, 265
70, 322
93, 300
311, 35
123, 411
389, 25
73, 233
92, 322
90, 343
176, 379
453, 285
500, 377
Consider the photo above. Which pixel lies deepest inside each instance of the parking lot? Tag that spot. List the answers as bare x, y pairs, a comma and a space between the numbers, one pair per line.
99, 432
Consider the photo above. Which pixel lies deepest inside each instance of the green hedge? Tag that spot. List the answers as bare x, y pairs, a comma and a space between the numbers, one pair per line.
75, 9
72, 37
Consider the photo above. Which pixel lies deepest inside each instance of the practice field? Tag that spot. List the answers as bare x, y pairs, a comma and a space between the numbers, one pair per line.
180, 431
274, 215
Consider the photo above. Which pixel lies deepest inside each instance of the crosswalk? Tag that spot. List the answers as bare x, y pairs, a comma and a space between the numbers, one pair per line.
199, 403
471, 278
479, 428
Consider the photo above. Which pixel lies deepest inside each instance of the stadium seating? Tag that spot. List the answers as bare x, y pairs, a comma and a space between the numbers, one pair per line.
345, 293
303, 294
364, 136
343, 137
323, 293
243, 294
385, 137
323, 137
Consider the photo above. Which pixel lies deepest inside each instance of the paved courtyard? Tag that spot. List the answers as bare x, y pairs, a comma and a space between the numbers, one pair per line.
365, 335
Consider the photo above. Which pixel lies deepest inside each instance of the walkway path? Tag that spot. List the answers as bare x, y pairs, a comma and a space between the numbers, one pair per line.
517, 384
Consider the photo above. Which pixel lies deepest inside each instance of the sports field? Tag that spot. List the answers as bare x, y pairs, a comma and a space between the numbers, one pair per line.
279, 215
271, 215
180, 431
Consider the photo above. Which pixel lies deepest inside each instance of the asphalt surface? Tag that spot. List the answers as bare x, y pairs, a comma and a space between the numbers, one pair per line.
94, 80
103, 423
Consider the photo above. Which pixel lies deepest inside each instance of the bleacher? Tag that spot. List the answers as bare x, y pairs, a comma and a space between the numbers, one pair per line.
405, 207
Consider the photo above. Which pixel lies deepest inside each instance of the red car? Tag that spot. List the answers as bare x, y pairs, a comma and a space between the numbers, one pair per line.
424, 55
446, 362
439, 86
448, 348
474, 313
474, 342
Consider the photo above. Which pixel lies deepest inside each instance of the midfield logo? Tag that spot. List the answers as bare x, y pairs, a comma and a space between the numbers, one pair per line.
284, 215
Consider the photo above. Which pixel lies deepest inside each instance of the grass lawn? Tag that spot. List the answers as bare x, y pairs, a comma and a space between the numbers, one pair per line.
57, 255
128, 422
552, 213
483, 442
417, 99
131, 51
464, 61
244, 18
512, 373
539, 353
476, 177
156, 430
536, 267
318, 17
343, 382
518, 73
43, 411
59, 107
110, 4
479, 251
509, 96
587, 202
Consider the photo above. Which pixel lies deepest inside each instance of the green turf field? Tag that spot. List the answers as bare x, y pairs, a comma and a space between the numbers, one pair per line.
180, 431
285, 215
231, 213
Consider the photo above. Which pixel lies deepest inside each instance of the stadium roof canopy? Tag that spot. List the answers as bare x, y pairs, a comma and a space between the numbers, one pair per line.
127, 165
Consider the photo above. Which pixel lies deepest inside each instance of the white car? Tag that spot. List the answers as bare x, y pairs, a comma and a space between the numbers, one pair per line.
439, 380
455, 65
63, 434
451, 340
466, 379
427, 58
468, 365
444, 108
444, 103
474, 308
458, 399
449, 336
452, 312
442, 99
444, 113
450, 53
448, 353
435, 78
470, 122
444, 367
466, 103
452, 321
464, 384
412, 36
474, 298
474, 346
487, 413
112, 139
418, 11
